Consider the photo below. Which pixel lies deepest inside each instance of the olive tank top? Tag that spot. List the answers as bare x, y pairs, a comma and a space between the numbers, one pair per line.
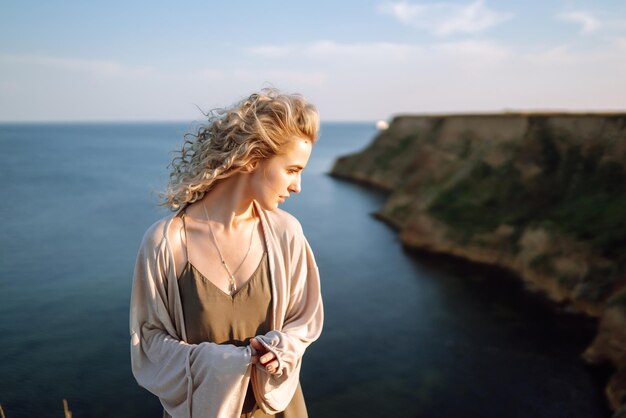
215, 316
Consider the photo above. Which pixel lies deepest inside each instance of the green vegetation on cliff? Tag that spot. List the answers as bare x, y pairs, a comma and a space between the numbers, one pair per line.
483, 200
618, 300
548, 191
541, 194
577, 194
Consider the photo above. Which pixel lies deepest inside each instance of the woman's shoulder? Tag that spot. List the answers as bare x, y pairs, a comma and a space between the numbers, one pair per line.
284, 222
160, 230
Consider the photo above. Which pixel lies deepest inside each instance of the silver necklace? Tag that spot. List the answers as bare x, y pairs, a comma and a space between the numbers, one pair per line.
232, 288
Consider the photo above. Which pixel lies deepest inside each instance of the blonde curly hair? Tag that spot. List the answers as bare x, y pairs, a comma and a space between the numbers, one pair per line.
253, 129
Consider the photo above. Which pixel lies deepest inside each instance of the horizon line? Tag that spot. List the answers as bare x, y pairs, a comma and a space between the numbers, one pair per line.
390, 118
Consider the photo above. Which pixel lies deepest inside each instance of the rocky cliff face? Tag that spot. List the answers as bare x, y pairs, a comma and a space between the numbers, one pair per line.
541, 194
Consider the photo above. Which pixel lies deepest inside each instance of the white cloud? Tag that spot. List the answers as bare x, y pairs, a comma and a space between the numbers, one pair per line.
465, 76
97, 67
385, 53
347, 80
209, 75
373, 50
327, 49
588, 23
271, 51
270, 76
404, 12
8, 87
298, 77
620, 42
554, 56
484, 50
446, 18
567, 56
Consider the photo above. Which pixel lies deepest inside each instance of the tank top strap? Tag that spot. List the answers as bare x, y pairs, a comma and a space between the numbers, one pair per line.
183, 215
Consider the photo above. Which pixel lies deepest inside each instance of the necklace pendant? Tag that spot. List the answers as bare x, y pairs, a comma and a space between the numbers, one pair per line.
232, 288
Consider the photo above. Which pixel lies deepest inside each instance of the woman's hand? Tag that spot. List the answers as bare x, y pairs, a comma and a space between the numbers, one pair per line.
264, 356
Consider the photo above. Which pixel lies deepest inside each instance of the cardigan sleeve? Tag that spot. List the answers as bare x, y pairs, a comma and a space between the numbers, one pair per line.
191, 380
303, 325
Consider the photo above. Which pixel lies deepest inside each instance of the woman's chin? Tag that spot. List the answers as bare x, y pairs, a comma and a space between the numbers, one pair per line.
269, 205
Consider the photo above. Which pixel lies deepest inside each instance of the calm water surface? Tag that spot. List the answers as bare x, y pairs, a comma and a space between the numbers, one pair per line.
405, 334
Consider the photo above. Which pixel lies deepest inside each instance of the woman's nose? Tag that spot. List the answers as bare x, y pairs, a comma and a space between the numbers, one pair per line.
295, 186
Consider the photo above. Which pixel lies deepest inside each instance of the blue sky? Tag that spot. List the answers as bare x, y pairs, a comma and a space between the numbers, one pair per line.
357, 60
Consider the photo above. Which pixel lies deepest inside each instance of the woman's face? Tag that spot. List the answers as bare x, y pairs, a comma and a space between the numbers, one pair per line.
276, 178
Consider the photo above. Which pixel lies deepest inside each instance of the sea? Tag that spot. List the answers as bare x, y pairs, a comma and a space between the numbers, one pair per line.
406, 333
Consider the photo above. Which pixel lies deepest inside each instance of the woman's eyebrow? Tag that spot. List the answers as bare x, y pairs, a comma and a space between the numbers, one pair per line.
297, 166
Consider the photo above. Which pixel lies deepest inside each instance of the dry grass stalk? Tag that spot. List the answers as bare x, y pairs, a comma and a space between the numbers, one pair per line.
66, 409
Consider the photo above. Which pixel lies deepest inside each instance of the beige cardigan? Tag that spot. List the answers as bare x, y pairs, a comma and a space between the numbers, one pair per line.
208, 379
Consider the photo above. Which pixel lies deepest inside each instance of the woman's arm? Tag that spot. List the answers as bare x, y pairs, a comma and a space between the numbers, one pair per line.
302, 325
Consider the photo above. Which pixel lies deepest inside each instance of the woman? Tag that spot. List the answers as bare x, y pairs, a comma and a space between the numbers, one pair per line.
226, 293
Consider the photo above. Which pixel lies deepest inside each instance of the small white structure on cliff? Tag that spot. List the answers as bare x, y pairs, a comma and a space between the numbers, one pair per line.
381, 125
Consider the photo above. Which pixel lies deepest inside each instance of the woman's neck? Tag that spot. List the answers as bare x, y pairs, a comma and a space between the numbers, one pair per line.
228, 203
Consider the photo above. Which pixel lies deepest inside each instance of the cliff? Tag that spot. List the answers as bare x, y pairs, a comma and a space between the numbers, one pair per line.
543, 195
